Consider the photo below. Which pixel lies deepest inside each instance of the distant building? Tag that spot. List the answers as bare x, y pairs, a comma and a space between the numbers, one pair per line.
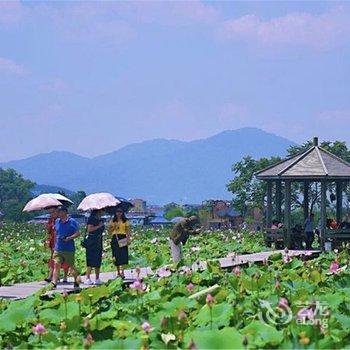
137, 220
221, 215
140, 206
156, 210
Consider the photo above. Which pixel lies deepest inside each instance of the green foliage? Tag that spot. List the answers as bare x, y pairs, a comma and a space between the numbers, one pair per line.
174, 212
14, 193
111, 316
247, 190
76, 197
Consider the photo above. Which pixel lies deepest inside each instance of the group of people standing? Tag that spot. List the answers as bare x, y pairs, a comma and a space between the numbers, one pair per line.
63, 230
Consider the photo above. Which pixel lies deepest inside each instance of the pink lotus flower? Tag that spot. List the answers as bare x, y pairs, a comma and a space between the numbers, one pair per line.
88, 341
283, 302
334, 266
182, 315
138, 285
147, 327
192, 345
39, 329
163, 272
187, 270
237, 271
86, 323
190, 287
277, 284
210, 300
138, 271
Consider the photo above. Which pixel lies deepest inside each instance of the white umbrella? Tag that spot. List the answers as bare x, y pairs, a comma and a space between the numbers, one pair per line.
97, 201
41, 202
177, 219
58, 196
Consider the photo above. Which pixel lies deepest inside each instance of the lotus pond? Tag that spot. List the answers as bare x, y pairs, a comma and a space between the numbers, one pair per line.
281, 303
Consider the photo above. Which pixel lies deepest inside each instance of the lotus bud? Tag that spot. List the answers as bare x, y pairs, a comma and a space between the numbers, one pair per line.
86, 323
182, 316
333, 268
190, 287
88, 341
237, 271
283, 302
39, 329
209, 300
146, 327
192, 345
245, 341
277, 284
63, 326
164, 322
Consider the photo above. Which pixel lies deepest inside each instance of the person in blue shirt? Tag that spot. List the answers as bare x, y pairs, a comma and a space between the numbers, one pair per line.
309, 231
67, 229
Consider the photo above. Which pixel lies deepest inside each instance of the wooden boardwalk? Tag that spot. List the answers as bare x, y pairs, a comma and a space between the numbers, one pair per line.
23, 290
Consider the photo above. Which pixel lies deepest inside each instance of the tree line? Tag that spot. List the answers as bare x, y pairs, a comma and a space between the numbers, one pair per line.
16, 191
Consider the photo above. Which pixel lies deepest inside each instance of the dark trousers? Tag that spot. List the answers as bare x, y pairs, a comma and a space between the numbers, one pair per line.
120, 254
309, 239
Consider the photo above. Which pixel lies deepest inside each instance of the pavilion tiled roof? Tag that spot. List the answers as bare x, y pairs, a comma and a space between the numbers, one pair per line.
315, 163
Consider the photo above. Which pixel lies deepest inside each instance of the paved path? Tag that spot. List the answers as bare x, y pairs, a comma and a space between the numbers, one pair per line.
23, 290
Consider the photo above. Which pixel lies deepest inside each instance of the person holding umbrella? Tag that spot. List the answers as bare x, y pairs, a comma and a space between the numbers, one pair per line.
93, 244
119, 228
67, 229
50, 202
50, 243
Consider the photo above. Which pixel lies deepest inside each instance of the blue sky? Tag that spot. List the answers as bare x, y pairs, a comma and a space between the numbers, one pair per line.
91, 77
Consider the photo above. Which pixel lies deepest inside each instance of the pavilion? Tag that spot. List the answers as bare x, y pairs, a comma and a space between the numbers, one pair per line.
314, 165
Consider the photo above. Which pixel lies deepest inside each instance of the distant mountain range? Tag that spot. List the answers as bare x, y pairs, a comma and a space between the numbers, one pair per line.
159, 171
38, 189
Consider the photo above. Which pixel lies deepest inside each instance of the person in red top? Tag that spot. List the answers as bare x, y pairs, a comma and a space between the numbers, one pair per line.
50, 243
333, 225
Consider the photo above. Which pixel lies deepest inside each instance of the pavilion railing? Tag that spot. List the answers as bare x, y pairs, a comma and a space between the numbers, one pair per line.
338, 234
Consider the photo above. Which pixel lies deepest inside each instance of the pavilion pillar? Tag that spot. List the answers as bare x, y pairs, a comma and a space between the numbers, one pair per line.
269, 204
287, 212
279, 200
339, 195
306, 199
323, 220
